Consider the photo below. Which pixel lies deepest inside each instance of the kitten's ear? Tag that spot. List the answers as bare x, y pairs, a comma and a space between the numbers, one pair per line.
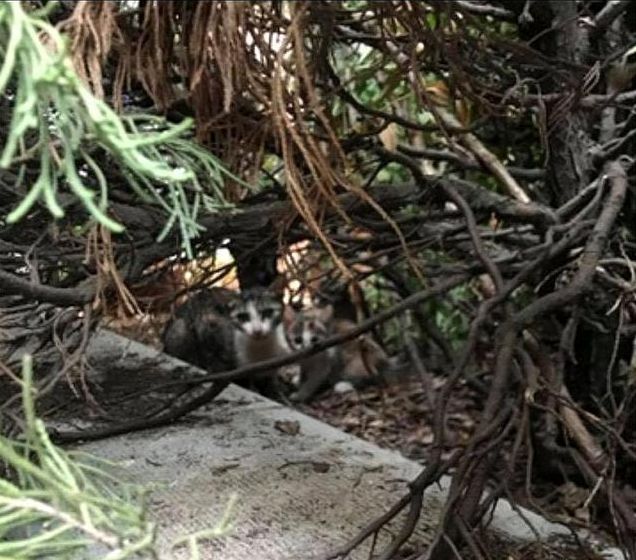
230, 306
222, 299
288, 315
324, 313
278, 286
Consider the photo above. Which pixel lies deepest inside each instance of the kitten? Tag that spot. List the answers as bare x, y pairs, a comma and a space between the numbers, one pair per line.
364, 359
220, 330
258, 330
198, 332
319, 370
352, 365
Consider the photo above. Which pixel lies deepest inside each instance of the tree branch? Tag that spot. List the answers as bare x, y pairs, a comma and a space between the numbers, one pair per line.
467, 162
78, 296
484, 9
611, 10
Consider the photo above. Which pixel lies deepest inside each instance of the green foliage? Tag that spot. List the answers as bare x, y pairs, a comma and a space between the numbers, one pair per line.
378, 296
445, 312
352, 5
223, 528
59, 123
450, 320
58, 503
393, 173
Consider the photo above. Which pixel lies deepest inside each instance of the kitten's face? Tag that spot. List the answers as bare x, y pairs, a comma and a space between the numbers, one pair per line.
306, 331
256, 312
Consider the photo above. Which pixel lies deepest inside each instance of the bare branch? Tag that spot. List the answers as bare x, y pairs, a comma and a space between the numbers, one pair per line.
77, 296
487, 158
485, 9
611, 10
467, 162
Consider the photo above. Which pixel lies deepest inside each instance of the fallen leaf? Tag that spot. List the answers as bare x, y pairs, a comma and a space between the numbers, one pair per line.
290, 427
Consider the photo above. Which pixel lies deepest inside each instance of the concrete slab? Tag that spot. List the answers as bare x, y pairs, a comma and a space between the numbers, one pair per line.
303, 487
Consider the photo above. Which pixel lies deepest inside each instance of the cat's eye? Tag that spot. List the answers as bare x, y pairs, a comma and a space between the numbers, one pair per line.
242, 317
267, 313
298, 340
314, 339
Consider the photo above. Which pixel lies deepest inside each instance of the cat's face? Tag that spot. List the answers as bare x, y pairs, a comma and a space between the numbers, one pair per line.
304, 332
308, 327
256, 312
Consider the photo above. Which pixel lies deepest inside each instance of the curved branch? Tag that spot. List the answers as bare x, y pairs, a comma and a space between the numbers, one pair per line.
479, 198
483, 256
590, 257
611, 10
467, 162
592, 101
78, 296
483, 9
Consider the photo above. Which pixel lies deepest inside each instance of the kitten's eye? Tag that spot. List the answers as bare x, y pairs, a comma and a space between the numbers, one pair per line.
298, 340
314, 339
267, 313
242, 317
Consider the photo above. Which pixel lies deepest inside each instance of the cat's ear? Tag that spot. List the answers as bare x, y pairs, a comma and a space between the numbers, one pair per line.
324, 313
221, 299
229, 305
289, 315
278, 286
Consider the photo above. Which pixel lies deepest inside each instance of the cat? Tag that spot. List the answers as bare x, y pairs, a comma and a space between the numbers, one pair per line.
198, 332
354, 364
220, 330
256, 317
321, 369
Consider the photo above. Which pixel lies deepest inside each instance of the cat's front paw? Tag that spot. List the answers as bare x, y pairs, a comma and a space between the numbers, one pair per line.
343, 387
